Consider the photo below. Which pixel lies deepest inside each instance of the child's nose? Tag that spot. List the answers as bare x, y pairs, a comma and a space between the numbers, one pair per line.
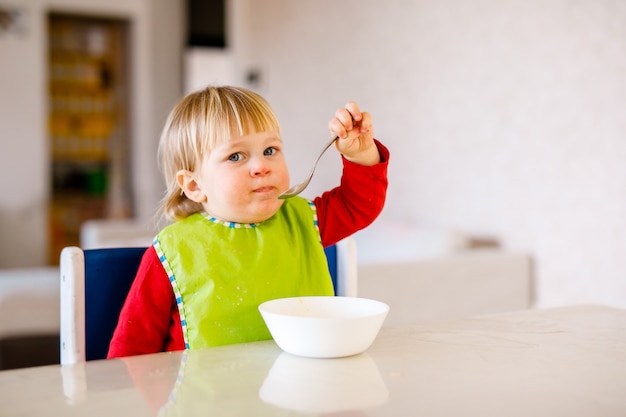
259, 167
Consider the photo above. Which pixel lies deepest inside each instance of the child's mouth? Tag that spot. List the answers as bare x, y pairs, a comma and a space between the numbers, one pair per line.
263, 190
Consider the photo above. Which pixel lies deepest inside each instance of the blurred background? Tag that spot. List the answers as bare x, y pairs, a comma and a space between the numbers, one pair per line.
505, 119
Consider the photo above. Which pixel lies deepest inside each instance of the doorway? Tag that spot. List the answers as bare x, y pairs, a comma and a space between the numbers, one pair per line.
89, 132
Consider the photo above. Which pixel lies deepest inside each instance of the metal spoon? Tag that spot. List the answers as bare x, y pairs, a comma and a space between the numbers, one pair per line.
298, 188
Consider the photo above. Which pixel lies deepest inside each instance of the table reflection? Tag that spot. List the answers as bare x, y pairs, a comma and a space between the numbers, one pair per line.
208, 383
272, 382
324, 385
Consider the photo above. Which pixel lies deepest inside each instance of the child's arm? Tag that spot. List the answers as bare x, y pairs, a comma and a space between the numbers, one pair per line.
357, 202
360, 198
145, 321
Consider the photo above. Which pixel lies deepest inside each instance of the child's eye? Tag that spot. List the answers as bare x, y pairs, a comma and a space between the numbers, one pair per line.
235, 157
270, 151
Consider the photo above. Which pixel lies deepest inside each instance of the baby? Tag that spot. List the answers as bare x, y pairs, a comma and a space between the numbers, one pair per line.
232, 243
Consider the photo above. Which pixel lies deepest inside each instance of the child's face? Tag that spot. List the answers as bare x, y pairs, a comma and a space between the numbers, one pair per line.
243, 177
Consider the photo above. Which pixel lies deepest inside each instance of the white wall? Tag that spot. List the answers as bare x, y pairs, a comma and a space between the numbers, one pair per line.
23, 158
505, 118
156, 84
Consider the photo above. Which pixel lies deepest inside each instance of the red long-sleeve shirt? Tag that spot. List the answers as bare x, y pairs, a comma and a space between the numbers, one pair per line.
149, 321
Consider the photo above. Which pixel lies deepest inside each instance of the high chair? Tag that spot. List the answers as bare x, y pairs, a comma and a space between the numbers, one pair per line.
95, 282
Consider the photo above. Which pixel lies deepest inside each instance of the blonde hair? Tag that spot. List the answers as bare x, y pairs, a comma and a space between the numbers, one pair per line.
198, 123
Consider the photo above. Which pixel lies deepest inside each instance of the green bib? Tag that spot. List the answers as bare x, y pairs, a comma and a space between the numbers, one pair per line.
220, 272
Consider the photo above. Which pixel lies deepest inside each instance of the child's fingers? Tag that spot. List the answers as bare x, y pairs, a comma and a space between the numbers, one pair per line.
337, 128
366, 123
354, 111
350, 115
346, 119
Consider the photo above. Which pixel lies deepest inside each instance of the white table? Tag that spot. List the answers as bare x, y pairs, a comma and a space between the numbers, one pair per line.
557, 362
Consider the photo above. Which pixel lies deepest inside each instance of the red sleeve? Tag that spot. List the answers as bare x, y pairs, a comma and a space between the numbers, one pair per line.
356, 202
149, 320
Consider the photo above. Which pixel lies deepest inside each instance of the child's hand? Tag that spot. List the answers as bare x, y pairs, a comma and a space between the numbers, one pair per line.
356, 135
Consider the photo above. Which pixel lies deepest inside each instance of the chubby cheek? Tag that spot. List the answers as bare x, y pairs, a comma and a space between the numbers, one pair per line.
220, 189
282, 177
233, 189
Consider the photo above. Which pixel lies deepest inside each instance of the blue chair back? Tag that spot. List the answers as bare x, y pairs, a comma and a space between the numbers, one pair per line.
331, 257
109, 273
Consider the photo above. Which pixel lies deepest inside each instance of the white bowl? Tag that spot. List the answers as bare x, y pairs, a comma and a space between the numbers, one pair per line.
324, 326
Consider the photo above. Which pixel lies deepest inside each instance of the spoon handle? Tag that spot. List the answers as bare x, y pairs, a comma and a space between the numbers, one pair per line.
322, 153
298, 188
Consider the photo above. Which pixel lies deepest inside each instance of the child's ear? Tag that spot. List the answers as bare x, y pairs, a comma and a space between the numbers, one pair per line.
190, 186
